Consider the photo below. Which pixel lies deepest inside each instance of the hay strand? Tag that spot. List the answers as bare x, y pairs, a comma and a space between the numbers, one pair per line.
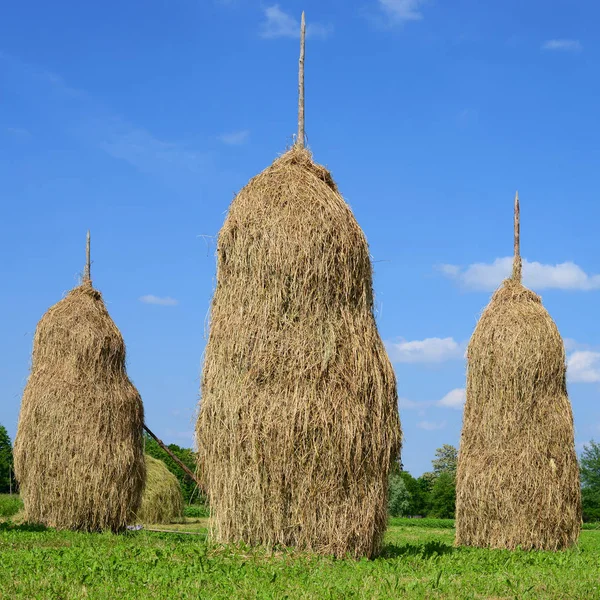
298, 422
162, 501
79, 448
517, 477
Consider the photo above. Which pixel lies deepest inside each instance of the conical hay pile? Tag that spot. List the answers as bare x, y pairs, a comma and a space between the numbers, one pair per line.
79, 448
162, 501
517, 479
298, 421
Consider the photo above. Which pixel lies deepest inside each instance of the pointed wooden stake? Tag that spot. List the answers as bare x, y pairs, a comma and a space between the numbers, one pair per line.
517, 262
87, 275
300, 138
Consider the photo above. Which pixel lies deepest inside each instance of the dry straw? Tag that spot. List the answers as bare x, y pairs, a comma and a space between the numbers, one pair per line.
79, 447
517, 479
162, 501
298, 421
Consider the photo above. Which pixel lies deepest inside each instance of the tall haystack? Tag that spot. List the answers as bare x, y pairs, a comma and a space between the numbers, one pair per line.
298, 422
162, 501
517, 479
79, 448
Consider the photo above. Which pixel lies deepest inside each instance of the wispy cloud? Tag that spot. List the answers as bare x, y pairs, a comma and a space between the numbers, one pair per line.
93, 125
279, 24
429, 350
431, 425
161, 301
563, 45
488, 276
19, 133
401, 11
235, 138
583, 366
454, 399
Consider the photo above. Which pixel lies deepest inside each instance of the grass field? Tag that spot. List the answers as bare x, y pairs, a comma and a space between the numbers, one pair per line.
417, 562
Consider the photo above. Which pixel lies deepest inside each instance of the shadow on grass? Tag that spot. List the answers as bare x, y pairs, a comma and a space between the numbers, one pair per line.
9, 526
426, 550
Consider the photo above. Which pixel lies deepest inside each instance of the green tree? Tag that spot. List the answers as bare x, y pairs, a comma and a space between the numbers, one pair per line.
418, 495
398, 497
6, 462
189, 488
445, 461
589, 469
442, 502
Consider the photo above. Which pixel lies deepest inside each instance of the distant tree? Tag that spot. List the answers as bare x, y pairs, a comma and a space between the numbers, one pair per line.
445, 460
398, 497
189, 488
589, 469
442, 503
418, 495
6, 462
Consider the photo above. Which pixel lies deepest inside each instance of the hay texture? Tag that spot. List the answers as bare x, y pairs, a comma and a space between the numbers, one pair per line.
162, 501
79, 447
298, 421
517, 478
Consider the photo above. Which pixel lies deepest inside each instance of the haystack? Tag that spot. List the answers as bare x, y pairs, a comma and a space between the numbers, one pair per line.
162, 501
298, 422
517, 479
79, 448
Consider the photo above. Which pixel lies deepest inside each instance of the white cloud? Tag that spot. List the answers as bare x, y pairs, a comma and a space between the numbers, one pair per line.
281, 24
431, 425
583, 366
161, 301
400, 11
487, 277
454, 399
563, 45
235, 138
430, 350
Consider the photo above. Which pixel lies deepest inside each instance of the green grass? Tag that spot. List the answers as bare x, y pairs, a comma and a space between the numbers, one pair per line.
417, 562
10, 505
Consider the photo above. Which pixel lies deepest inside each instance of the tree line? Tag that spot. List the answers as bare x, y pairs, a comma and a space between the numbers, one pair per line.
433, 494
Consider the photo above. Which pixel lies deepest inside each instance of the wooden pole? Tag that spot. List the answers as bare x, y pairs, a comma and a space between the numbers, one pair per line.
300, 138
170, 453
88, 262
517, 262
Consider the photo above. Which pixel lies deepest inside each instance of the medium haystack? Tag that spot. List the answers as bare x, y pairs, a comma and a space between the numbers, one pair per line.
162, 501
298, 422
517, 479
79, 448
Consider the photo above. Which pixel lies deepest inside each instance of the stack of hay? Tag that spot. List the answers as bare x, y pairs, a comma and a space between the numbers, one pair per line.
517, 480
79, 447
162, 501
298, 422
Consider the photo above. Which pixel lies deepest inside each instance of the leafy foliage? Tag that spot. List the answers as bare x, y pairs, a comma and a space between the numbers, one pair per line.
442, 503
589, 469
6, 462
399, 497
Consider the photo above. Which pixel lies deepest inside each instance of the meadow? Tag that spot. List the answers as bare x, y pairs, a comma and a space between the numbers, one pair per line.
418, 561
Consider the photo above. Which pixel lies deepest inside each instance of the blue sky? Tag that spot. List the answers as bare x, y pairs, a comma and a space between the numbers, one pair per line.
140, 121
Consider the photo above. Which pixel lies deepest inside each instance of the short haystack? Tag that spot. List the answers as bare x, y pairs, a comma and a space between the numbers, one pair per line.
298, 422
517, 479
79, 447
162, 501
